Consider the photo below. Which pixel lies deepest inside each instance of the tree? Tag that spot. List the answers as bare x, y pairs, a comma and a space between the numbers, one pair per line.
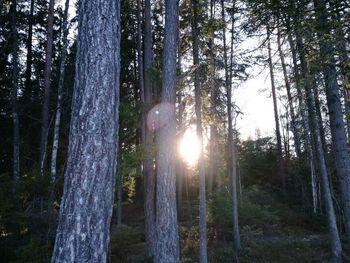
167, 249
14, 95
47, 84
340, 146
86, 208
56, 132
275, 109
199, 128
149, 173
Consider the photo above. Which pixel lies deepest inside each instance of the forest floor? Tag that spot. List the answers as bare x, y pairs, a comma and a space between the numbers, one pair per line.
289, 237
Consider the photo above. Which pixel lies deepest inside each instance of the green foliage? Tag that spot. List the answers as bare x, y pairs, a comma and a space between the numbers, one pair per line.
257, 207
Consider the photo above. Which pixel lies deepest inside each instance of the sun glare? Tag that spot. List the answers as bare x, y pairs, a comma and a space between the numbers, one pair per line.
190, 147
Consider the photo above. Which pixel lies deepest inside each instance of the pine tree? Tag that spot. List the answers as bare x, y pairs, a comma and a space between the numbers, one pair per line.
86, 208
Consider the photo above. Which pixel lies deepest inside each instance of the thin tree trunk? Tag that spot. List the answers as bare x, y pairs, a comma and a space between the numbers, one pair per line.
344, 69
56, 132
304, 119
15, 75
198, 109
166, 215
213, 143
340, 146
275, 109
295, 130
336, 249
232, 158
119, 198
180, 165
47, 80
84, 222
149, 173
28, 87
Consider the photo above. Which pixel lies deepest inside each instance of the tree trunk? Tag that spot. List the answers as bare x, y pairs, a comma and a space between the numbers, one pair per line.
47, 80
336, 249
232, 158
149, 173
275, 109
15, 76
28, 80
87, 202
295, 130
56, 132
166, 215
304, 119
340, 146
119, 198
344, 69
198, 109
213, 143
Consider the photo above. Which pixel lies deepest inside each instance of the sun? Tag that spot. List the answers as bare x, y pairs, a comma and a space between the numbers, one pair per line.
189, 147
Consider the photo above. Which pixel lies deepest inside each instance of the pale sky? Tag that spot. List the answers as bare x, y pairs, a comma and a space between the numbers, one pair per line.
252, 97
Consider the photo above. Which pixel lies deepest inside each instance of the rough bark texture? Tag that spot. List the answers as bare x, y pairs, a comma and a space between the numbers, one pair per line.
340, 146
275, 109
47, 82
15, 74
198, 109
336, 249
86, 207
148, 172
166, 215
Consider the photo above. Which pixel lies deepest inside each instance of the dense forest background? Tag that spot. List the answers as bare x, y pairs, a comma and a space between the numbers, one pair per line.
284, 198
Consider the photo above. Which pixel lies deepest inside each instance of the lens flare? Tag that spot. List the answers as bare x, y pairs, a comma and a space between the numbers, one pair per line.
189, 147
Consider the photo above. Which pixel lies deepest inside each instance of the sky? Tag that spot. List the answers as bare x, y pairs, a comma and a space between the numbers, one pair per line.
254, 100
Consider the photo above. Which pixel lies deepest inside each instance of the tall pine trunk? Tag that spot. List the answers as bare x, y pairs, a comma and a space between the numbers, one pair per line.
213, 143
14, 95
87, 201
340, 146
198, 109
232, 153
281, 173
28, 87
295, 130
47, 83
304, 121
149, 173
166, 215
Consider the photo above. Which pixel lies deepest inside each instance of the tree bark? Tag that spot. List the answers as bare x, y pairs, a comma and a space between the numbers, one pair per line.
340, 146
47, 80
198, 109
166, 215
275, 109
149, 173
87, 202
